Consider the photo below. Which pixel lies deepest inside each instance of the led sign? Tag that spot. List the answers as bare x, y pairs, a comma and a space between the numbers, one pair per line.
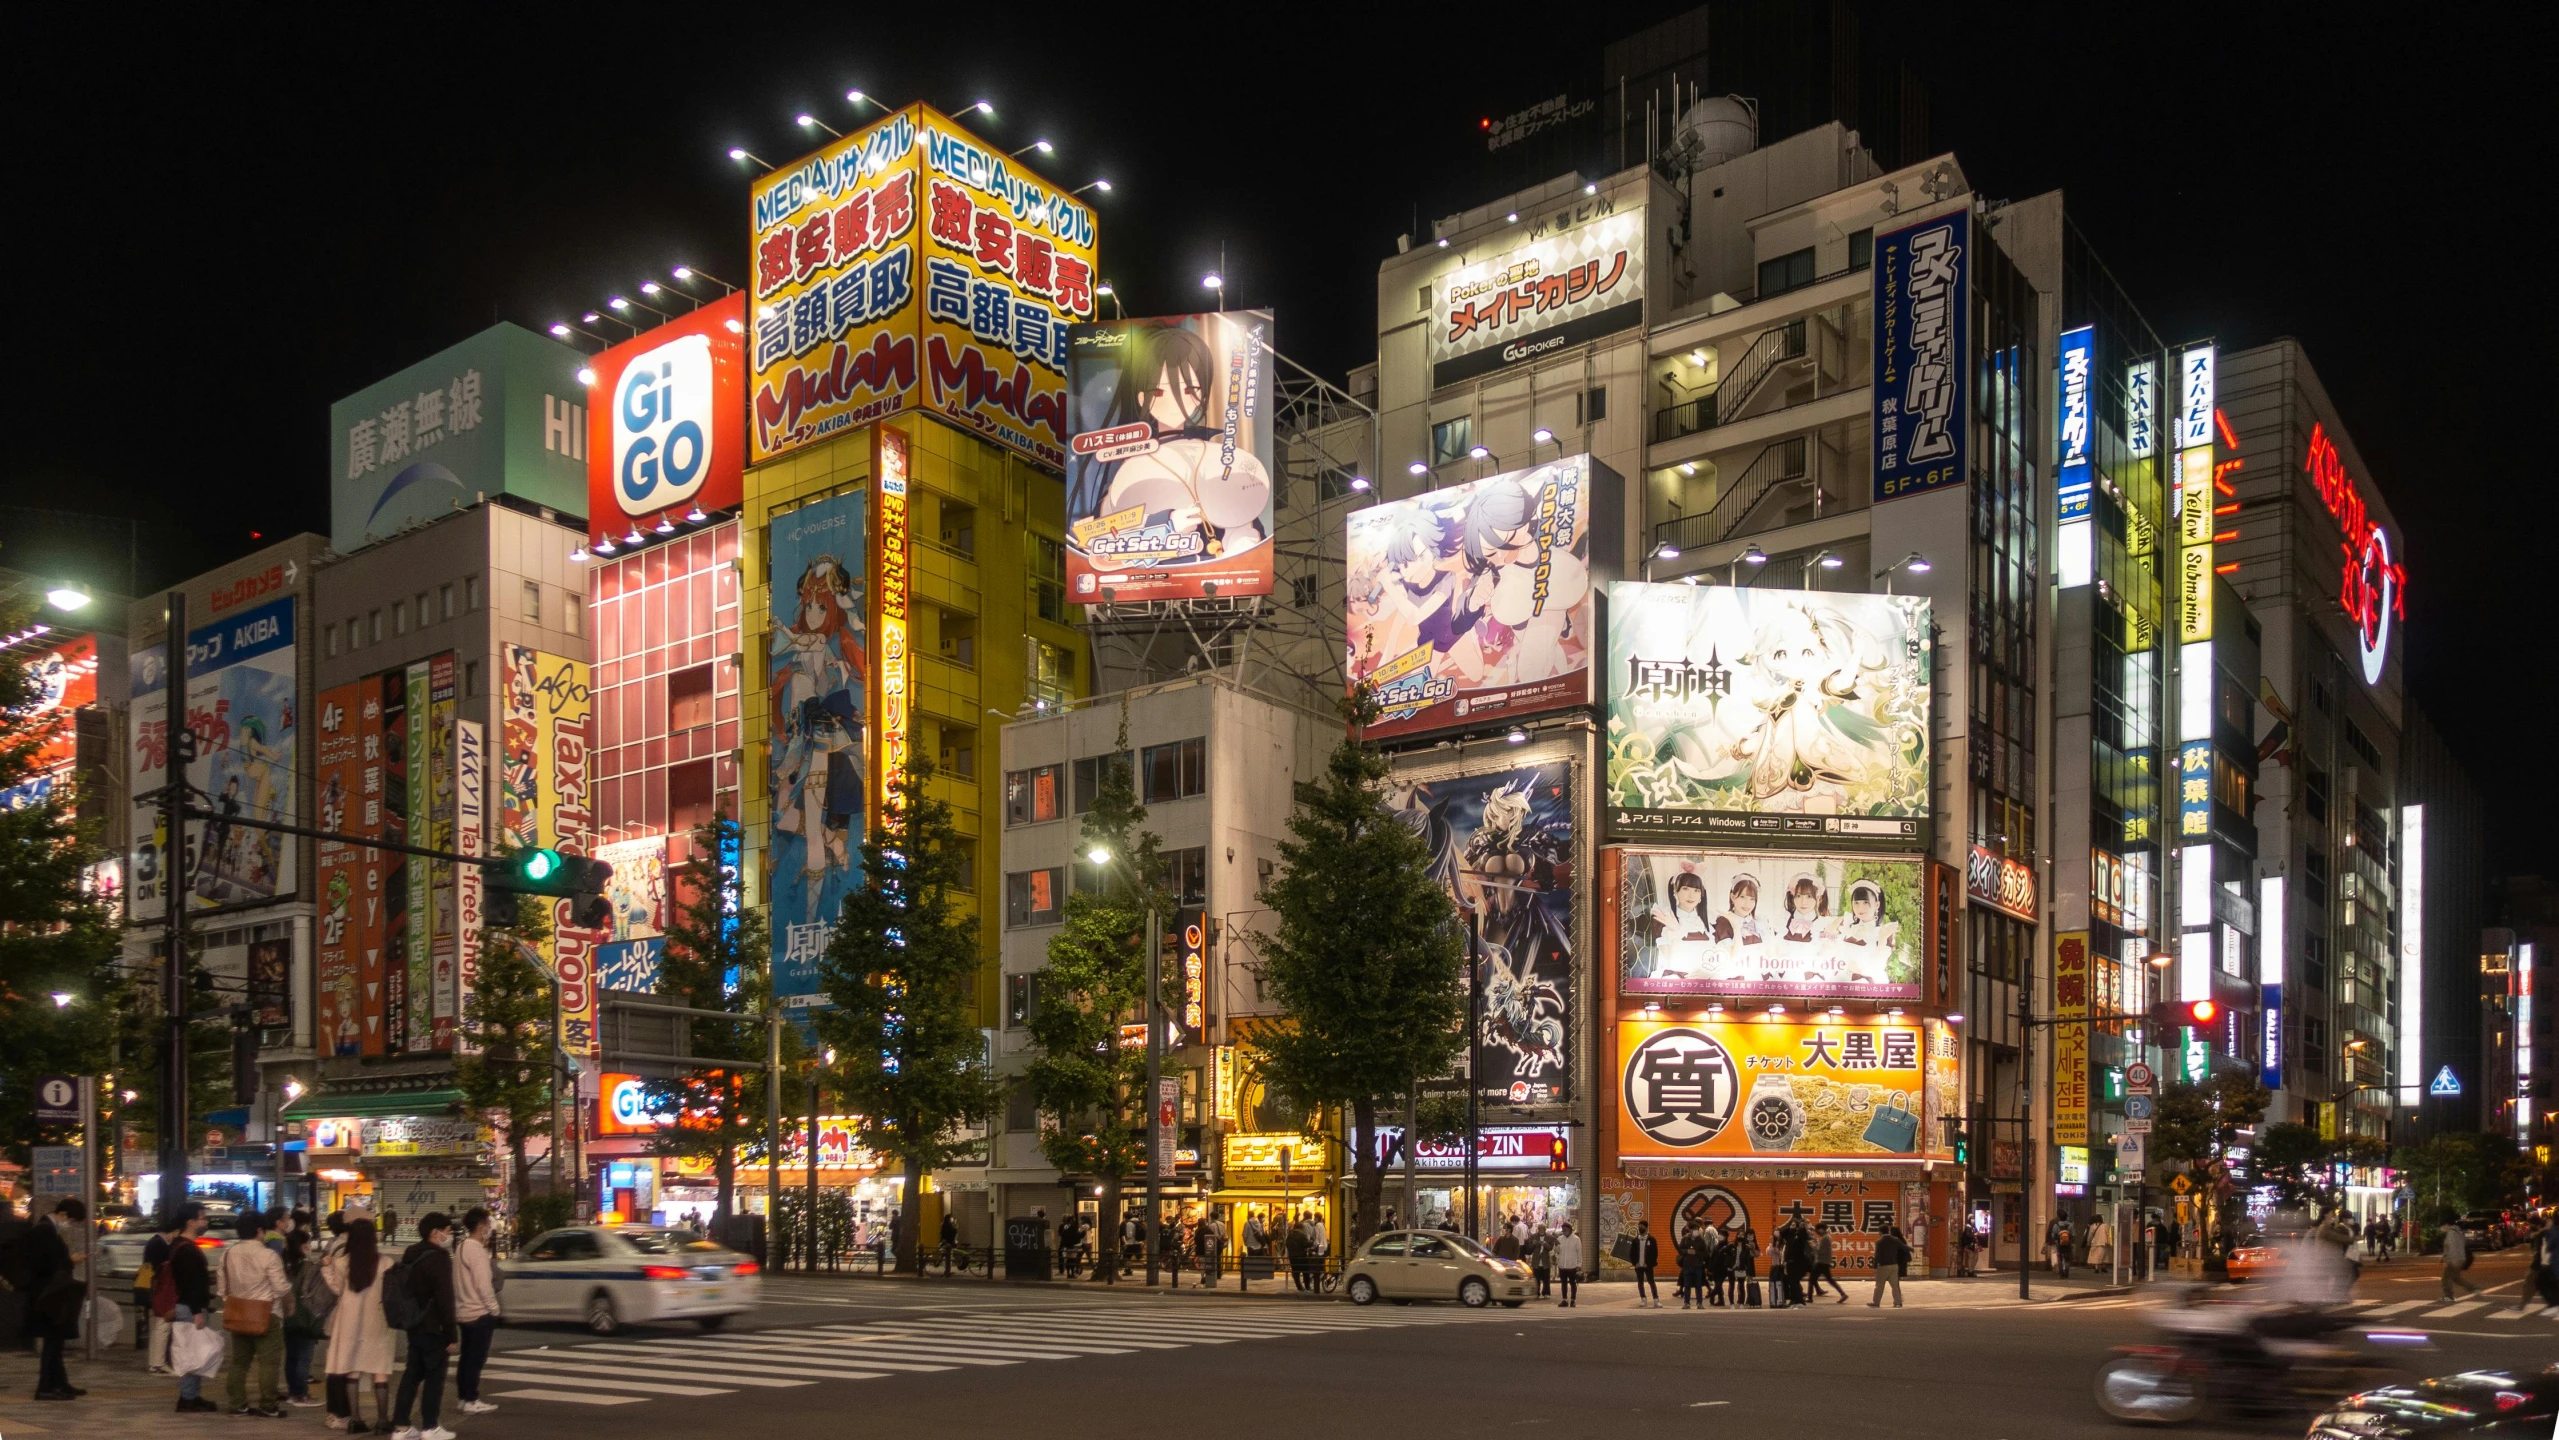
2374, 587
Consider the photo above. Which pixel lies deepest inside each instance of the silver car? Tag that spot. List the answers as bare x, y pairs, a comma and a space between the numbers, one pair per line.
609, 1276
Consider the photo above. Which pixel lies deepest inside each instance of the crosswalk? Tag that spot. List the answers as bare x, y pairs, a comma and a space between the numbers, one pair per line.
636, 1371
2496, 1308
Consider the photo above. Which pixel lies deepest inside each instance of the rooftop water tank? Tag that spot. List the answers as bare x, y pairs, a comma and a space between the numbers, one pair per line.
1717, 129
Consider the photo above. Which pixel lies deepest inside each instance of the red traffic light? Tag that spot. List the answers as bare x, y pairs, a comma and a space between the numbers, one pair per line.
2187, 1014
2204, 1011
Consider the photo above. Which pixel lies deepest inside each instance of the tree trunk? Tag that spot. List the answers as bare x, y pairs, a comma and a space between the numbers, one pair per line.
515, 1179
1368, 1181
908, 1233
726, 1164
1106, 1249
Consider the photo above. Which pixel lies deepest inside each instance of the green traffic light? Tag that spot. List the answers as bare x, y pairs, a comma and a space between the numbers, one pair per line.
538, 864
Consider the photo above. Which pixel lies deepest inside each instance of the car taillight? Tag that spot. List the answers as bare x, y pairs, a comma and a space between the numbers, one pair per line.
747, 1267
664, 1272
207, 1242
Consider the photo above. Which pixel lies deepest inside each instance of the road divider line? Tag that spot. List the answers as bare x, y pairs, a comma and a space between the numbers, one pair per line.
565, 1397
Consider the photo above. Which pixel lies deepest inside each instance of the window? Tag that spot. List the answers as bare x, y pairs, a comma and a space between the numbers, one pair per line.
1304, 591
1786, 272
1021, 1105
399, 617
1186, 875
1048, 578
958, 633
959, 752
377, 627
1387, 1245
1030, 796
688, 699
329, 639
470, 679
2314, 961
426, 610
446, 595
1021, 1006
2361, 744
964, 849
470, 592
1090, 772
2314, 792
1451, 439
1591, 406
533, 602
959, 526
1861, 249
1422, 298
355, 631
1052, 670
1034, 897
573, 612
1173, 772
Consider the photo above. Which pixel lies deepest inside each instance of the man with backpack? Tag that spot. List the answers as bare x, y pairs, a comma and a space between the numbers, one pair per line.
417, 1296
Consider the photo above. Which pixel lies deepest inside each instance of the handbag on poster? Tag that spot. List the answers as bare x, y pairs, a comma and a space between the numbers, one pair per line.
1894, 1126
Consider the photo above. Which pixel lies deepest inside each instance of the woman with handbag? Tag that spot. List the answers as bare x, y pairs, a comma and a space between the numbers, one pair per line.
359, 1338
254, 1295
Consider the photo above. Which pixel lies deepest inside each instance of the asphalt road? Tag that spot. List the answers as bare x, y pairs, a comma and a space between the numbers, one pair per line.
967, 1359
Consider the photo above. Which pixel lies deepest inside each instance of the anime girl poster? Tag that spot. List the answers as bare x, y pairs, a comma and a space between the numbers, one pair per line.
1169, 490
817, 693
241, 704
1772, 923
1502, 846
1726, 702
1476, 604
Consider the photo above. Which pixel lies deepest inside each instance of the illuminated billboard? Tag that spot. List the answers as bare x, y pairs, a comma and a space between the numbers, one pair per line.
1770, 923
666, 424
1475, 605
1577, 275
241, 705
545, 745
1168, 471
64, 678
907, 266
1922, 323
1783, 1089
819, 682
1768, 712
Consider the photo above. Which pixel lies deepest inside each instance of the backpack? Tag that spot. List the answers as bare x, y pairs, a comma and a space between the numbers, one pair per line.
318, 1300
401, 1307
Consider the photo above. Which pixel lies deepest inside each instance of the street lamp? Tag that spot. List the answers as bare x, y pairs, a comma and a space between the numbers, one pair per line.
1041, 146
1914, 562
740, 152
69, 595
1104, 291
1417, 469
808, 122
1540, 436
1822, 559
1752, 556
1663, 551
1097, 184
62, 999
1155, 1118
856, 97
1480, 452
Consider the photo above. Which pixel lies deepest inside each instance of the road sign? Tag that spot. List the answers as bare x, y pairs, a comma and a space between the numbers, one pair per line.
57, 1100
2138, 1079
2138, 1107
2180, 1184
2445, 1083
2128, 1147
55, 1169
2136, 1127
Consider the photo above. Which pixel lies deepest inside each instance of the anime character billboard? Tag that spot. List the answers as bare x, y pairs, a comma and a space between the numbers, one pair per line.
1477, 604
1770, 923
240, 704
1168, 468
1768, 712
1502, 845
820, 663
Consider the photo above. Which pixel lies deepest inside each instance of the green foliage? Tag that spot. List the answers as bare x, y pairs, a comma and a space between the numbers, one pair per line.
909, 1060
2450, 1174
1090, 1084
1366, 961
506, 1067
2287, 1149
722, 1107
2194, 1122
543, 1210
834, 1225
53, 937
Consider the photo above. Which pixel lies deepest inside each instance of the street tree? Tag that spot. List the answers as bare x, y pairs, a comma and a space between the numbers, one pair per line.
2445, 1176
504, 1065
2194, 1125
716, 958
57, 935
1087, 1078
896, 975
1366, 960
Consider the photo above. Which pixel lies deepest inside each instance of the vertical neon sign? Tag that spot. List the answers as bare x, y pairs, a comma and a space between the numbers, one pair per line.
888, 569
2412, 954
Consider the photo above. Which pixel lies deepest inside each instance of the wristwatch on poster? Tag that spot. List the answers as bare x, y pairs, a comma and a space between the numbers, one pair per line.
1774, 1115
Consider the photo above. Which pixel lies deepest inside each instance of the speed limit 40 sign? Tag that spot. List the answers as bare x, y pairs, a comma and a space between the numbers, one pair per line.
57, 1100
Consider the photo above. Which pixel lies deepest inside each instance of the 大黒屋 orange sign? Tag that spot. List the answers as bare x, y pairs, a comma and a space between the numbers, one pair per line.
1762, 1088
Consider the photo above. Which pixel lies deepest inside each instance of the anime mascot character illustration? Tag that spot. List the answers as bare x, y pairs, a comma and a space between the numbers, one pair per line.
1504, 874
1809, 746
1192, 483
1529, 635
817, 689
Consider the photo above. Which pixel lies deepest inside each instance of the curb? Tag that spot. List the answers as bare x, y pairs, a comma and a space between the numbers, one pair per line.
2105, 1293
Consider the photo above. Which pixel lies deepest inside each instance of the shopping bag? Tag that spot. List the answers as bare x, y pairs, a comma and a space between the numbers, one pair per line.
106, 1322
1894, 1127
196, 1351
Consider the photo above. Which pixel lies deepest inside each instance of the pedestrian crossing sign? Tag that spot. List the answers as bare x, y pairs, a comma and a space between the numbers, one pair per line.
2445, 1083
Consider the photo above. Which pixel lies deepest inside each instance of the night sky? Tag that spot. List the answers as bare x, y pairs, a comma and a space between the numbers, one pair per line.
222, 228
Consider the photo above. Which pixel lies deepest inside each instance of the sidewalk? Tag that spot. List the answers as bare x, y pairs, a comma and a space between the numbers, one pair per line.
123, 1398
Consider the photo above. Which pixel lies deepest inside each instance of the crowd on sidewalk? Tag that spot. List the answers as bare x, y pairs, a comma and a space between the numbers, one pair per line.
1717, 1268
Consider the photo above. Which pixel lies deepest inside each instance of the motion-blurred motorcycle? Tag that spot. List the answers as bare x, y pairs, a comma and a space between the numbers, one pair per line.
2249, 1359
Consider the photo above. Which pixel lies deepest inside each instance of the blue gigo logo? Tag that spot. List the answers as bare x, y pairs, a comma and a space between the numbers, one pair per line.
662, 426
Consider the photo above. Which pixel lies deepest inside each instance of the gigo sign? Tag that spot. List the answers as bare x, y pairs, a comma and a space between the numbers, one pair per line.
666, 434
2373, 588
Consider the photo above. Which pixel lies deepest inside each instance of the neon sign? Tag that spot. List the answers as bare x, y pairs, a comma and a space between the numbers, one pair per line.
888, 469
2373, 587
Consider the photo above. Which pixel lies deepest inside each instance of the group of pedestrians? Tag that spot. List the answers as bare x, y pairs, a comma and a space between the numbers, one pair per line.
287, 1292
1553, 1255
1719, 1267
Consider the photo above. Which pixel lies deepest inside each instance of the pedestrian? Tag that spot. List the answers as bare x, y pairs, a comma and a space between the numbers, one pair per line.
254, 1296
2057, 1245
1212, 1243
1257, 1238
1822, 1262
189, 1292
1319, 1243
1746, 1268
1541, 1262
1799, 1261
303, 1330
1132, 1239
2389, 1235
2456, 1258
428, 1266
1719, 1264
1647, 1254
1692, 1270
1892, 1253
1568, 1265
53, 1294
359, 1336
154, 1334
476, 1307
2545, 1256
1506, 1244
2101, 1244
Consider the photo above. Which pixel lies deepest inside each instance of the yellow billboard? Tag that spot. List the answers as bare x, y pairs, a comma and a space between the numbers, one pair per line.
545, 778
909, 266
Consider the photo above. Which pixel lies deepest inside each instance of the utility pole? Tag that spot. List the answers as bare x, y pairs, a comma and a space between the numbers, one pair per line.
1155, 1117
173, 1118
2026, 1129
1474, 1059
810, 1221
773, 1124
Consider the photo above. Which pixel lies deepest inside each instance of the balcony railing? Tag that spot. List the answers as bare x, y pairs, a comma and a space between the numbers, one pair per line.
1780, 462
1741, 381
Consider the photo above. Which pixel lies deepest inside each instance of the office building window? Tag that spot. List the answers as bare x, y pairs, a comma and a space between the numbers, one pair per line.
959, 752
959, 526
1048, 577
958, 637
1034, 897
1186, 875
1861, 249
329, 639
1052, 670
1021, 1006
1451, 439
533, 602
573, 612
964, 850
376, 627
1030, 796
1786, 272
1591, 406
445, 594
470, 592
1173, 772
688, 699
470, 679
399, 617
426, 610
1090, 772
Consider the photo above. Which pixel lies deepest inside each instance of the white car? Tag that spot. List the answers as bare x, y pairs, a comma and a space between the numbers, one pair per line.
610, 1276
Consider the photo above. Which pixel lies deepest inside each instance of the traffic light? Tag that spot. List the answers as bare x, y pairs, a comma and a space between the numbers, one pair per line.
560, 877
2187, 1014
1959, 1139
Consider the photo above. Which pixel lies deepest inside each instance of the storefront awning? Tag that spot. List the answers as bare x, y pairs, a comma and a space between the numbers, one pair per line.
374, 1100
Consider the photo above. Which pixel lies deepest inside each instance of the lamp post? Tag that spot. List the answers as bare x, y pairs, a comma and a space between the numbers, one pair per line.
1914, 562
1156, 1119
1663, 551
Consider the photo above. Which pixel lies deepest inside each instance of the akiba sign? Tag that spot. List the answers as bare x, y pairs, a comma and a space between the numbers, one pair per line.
2374, 588
666, 432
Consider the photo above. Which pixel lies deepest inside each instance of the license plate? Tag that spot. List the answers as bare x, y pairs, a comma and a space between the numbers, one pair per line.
711, 1292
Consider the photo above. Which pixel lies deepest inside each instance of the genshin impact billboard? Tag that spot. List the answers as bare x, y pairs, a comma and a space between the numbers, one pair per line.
1168, 471
1768, 712
1475, 605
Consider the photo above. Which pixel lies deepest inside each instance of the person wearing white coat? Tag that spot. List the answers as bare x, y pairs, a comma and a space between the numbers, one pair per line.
359, 1336
1568, 1266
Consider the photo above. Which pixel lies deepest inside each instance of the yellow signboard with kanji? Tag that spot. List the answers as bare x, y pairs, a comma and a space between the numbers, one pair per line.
2071, 977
